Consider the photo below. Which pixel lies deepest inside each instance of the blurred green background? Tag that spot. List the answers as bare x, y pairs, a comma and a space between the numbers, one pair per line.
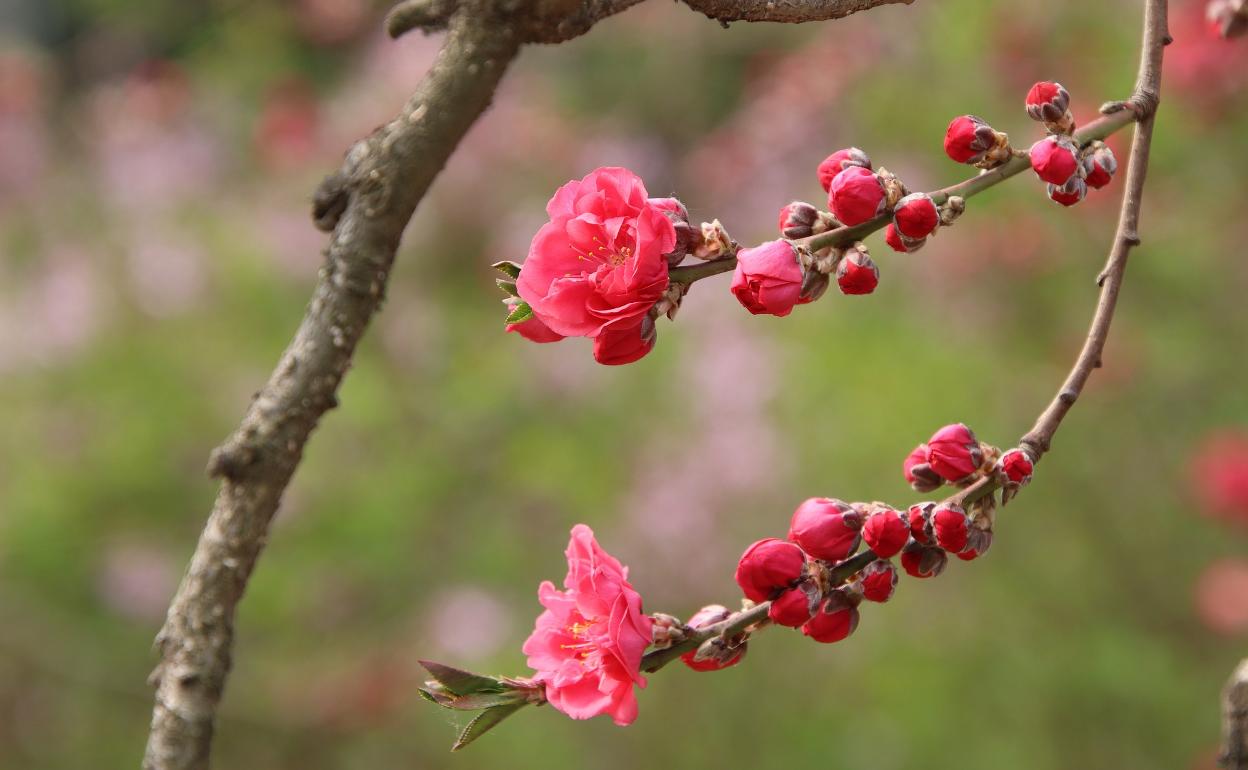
156, 162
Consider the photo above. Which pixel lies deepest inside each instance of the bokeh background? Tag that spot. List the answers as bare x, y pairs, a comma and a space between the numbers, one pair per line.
156, 161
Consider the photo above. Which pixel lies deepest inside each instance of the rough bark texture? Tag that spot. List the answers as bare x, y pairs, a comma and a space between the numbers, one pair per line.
366, 204
375, 194
789, 11
1235, 719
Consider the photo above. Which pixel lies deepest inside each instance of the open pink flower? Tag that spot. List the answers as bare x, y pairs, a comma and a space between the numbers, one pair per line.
597, 267
587, 645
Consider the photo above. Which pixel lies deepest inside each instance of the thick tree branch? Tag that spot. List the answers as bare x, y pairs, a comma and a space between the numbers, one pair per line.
1235, 720
790, 11
368, 203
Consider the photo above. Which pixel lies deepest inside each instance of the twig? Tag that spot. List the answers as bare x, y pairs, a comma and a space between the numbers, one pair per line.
1234, 754
967, 188
790, 11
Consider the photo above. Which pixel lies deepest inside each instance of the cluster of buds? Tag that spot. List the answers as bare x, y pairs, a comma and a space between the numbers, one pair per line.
951, 456
1068, 169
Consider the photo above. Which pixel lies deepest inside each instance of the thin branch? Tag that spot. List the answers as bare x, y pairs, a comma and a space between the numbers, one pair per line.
1235, 720
968, 188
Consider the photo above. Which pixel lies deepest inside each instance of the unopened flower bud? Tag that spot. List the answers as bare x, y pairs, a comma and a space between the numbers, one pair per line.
1055, 159
1068, 194
954, 453
885, 531
953, 207
826, 528
856, 273
879, 580
977, 544
920, 518
856, 195
836, 619
951, 526
899, 242
1016, 466
919, 473
1099, 165
923, 561
799, 219
716, 656
916, 216
686, 236
1227, 18
814, 284
838, 162
1047, 102
768, 567
768, 278
970, 140
794, 607
666, 630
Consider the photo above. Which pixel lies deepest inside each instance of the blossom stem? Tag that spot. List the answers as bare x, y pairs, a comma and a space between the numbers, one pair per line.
1100, 128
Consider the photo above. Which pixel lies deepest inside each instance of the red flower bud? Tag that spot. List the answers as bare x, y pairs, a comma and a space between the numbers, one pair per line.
920, 517
797, 220
856, 196
722, 657
916, 216
793, 607
826, 528
968, 139
768, 279
856, 273
923, 561
769, 566
1055, 159
1016, 466
879, 580
951, 526
838, 162
954, 453
835, 620
901, 243
1070, 193
977, 544
919, 474
686, 236
885, 532
1099, 165
1047, 102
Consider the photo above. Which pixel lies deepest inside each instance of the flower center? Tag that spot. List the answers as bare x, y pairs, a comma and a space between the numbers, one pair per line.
620, 257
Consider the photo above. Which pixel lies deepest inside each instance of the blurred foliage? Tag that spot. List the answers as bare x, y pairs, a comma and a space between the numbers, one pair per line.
156, 255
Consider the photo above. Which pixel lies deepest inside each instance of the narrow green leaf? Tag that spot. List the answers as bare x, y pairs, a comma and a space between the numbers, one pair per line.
521, 312
460, 682
511, 269
484, 722
509, 287
485, 700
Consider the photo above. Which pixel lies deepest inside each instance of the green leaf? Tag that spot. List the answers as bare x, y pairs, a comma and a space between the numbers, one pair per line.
484, 722
511, 269
521, 312
507, 286
460, 682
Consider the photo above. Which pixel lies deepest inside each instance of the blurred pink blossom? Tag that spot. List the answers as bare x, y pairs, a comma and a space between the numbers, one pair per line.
1222, 596
1219, 475
468, 621
166, 271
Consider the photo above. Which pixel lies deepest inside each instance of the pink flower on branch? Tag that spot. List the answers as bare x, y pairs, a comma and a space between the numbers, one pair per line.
587, 645
597, 267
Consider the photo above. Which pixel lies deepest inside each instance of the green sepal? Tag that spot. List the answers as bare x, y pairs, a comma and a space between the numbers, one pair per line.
485, 721
511, 269
508, 287
460, 682
521, 312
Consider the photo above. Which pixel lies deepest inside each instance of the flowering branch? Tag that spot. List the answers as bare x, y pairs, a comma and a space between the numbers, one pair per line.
586, 647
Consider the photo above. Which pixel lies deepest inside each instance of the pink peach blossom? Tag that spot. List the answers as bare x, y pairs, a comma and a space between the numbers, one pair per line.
587, 645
